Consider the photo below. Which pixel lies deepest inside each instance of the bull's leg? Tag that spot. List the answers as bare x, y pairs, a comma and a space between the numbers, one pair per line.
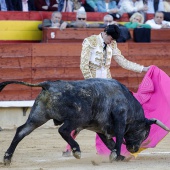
65, 132
119, 141
110, 144
67, 153
21, 132
115, 148
119, 126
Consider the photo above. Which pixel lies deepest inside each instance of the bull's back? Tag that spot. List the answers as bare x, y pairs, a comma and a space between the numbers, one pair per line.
92, 97
86, 97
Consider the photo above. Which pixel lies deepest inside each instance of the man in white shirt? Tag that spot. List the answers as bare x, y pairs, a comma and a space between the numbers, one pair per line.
158, 21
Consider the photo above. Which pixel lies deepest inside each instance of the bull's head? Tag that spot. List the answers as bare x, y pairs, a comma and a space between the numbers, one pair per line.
139, 132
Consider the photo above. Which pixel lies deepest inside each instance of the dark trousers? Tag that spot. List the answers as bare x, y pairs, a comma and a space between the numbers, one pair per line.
87, 7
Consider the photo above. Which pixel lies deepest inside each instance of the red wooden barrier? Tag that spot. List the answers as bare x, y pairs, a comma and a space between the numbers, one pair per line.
51, 35
44, 61
40, 15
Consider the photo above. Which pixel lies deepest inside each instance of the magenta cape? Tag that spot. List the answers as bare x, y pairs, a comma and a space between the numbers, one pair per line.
154, 96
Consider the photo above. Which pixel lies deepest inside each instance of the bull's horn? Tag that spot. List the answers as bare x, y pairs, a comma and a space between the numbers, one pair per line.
159, 123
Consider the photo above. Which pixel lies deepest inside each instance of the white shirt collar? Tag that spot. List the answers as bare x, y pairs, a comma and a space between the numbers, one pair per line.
101, 39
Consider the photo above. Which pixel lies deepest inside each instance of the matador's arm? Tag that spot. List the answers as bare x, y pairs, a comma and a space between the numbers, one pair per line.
85, 58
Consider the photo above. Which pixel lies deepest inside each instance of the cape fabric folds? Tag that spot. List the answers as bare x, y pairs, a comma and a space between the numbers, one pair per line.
154, 96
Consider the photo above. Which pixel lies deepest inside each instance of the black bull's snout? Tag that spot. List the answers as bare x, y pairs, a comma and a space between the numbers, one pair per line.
134, 140
133, 149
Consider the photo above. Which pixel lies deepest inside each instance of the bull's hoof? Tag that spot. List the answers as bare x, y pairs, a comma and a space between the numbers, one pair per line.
77, 154
120, 158
7, 159
112, 156
7, 162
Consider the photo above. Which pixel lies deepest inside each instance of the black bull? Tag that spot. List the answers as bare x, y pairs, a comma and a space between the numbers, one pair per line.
104, 106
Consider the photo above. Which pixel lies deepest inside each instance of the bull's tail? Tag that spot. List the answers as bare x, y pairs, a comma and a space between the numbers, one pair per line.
3, 84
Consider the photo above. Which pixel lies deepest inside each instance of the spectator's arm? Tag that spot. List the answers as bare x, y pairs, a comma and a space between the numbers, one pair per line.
38, 5
63, 25
131, 25
53, 7
153, 24
46, 23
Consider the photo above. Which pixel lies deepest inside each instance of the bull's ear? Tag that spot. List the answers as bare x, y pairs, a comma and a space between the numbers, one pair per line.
150, 121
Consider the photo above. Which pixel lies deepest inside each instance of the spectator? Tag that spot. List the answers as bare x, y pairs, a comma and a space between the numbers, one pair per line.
81, 21
78, 6
159, 5
70, 6
54, 22
90, 6
124, 32
108, 6
46, 5
24, 5
108, 20
132, 6
6, 5
154, 5
158, 21
136, 21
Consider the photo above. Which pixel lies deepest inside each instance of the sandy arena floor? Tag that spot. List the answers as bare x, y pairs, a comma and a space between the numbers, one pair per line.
42, 150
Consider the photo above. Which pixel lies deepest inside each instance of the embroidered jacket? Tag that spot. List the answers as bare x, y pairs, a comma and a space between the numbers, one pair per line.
96, 64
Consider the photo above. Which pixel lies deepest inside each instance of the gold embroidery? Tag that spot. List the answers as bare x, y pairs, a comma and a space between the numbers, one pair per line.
99, 53
113, 44
109, 53
85, 58
123, 62
92, 40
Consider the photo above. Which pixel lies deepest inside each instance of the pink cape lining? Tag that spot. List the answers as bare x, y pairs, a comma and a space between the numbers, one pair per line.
154, 96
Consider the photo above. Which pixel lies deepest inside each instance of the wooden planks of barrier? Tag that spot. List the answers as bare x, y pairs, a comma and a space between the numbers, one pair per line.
53, 35
38, 62
15, 64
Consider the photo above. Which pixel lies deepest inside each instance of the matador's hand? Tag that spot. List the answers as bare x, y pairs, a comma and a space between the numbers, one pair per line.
146, 68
